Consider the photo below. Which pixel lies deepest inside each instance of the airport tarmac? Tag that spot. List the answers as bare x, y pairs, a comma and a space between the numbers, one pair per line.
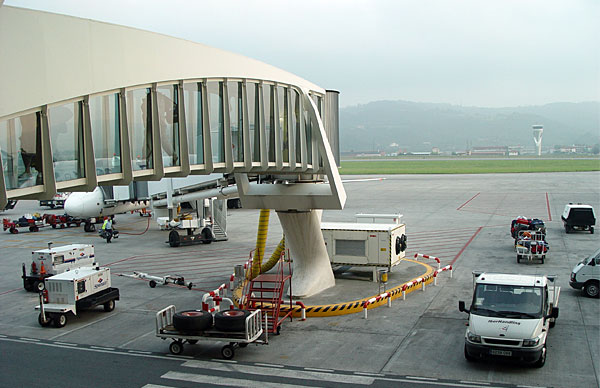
462, 219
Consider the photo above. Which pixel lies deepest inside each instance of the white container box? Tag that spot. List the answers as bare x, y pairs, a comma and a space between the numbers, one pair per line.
359, 244
60, 259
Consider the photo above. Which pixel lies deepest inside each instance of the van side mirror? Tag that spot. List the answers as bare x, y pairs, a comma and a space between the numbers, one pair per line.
461, 307
554, 313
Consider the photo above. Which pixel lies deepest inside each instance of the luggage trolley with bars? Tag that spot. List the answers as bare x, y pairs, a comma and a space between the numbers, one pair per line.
238, 327
531, 245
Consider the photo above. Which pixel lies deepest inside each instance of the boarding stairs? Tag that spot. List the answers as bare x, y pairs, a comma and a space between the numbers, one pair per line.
265, 292
219, 233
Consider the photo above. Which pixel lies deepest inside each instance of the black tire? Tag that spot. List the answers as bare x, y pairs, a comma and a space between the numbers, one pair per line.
542, 360
567, 229
231, 320
89, 227
468, 357
591, 230
14, 230
192, 321
152, 283
552, 323
518, 258
227, 352
59, 320
46, 323
109, 306
206, 236
543, 258
174, 239
592, 289
278, 330
176, 347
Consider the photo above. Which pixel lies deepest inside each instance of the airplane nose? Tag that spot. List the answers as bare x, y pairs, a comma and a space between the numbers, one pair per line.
74, 206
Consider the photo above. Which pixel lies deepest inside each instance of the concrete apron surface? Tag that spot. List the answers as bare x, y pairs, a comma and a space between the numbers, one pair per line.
462, 219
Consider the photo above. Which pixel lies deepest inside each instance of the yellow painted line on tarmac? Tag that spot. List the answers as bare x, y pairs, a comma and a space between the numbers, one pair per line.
354, 306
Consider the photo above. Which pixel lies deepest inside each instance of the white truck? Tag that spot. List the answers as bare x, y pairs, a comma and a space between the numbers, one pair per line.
80, 288
53, 261
510, 316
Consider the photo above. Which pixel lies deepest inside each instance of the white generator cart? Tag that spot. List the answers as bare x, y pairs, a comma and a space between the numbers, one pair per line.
531, 246
243, 327
53, 261
68, 292
365, 244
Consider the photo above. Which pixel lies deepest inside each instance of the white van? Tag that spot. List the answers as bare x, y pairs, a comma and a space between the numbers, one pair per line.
586, 275
510, 316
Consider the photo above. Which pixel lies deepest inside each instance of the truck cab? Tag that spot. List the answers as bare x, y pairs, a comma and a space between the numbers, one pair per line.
586, 275
510, 316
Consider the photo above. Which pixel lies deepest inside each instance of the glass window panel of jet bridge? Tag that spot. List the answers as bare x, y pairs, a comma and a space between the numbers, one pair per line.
282, 100
269, 105
215, 116
192, 97
308, 133
139, 123
21, 151
167, 99
253, 119
106, 133
66, 136
296, 123
236, 119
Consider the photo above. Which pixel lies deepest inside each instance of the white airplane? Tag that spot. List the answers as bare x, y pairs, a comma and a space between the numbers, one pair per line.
166, 194
94, 206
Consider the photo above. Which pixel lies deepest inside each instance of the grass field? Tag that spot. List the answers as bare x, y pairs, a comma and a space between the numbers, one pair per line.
467, 166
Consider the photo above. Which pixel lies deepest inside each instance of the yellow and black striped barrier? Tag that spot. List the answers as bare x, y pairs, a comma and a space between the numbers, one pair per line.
358, 305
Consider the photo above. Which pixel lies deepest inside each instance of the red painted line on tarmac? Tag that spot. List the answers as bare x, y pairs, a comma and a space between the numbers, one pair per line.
466, 245
472, 198
9, 291
548, 206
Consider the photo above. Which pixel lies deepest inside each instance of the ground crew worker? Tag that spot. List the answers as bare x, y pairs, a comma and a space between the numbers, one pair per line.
107, 228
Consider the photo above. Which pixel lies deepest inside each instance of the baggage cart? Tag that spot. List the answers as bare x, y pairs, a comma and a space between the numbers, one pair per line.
253, 331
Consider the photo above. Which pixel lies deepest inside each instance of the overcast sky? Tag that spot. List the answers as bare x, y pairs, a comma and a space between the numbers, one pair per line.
473, 52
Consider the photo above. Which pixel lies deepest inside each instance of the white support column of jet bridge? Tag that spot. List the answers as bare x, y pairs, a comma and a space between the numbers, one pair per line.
298, 202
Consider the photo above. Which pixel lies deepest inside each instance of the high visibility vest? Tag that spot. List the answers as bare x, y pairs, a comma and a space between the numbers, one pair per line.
104, 225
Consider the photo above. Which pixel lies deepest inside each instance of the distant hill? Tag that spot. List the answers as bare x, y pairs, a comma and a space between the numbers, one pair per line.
419, 126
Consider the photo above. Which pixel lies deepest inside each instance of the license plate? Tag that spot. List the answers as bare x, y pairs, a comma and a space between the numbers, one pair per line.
496, 352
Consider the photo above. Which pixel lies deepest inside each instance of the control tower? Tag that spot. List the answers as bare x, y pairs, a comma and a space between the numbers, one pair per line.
537, 137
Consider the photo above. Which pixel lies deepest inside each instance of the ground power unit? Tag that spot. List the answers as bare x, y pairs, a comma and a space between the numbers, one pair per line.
53, 261
364, 244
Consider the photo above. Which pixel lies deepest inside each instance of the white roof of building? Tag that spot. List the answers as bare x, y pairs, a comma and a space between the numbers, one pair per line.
48, 58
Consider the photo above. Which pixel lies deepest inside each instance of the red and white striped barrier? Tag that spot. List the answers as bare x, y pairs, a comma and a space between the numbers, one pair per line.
406, 286
417, 255
216, 302
377, 299
440, 270
302, 310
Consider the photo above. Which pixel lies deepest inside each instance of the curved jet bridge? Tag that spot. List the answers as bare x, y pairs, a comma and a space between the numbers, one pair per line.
85, 103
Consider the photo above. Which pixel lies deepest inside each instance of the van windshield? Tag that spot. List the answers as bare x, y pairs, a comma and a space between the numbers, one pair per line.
594, 256
507, 301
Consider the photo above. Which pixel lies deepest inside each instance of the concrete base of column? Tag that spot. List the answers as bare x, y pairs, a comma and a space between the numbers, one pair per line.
303, 237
